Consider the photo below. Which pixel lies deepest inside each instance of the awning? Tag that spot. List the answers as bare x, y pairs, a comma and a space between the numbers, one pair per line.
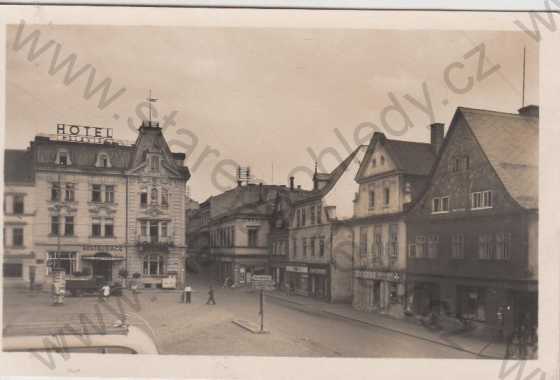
96, 258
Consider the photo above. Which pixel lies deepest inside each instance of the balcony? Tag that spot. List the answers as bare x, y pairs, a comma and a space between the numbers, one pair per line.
154, 243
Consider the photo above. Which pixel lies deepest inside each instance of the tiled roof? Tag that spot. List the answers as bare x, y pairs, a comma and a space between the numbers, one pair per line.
411, 157
18, 166
511, 142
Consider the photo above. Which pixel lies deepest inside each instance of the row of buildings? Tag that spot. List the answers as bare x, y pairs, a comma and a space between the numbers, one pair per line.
450, 225
83, 202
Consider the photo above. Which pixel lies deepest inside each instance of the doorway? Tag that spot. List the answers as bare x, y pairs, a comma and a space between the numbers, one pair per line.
102, 267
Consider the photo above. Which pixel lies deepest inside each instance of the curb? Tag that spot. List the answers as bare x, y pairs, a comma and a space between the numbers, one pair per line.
458, 348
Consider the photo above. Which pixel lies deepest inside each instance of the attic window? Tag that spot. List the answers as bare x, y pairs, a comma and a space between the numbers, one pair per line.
154, 163
63, 158
103, 161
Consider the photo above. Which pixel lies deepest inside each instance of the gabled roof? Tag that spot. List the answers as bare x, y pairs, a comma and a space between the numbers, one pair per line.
18, 166
331, 178
410, 157
511, 144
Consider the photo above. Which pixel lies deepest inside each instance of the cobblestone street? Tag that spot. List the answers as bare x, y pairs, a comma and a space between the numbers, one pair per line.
200, 329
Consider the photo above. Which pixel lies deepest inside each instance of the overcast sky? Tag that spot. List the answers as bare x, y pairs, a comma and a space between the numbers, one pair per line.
264, 98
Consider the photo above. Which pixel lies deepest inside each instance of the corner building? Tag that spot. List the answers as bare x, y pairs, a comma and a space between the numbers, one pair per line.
103, 207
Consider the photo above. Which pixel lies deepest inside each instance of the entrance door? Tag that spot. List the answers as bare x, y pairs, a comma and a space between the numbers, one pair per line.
103, 269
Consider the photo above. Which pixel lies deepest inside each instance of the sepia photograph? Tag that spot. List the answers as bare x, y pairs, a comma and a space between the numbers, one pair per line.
190, 189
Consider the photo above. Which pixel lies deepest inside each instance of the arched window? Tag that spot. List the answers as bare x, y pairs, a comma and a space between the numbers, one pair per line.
103, 160
63, 158
154, 196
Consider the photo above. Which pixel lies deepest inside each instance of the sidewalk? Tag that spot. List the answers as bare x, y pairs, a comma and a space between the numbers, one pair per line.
484, 347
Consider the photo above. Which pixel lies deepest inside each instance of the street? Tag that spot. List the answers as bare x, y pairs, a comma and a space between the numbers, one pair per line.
200, 329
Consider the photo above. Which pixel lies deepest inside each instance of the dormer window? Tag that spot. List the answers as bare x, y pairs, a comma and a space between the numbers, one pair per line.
63, 158
103, 161
154, 163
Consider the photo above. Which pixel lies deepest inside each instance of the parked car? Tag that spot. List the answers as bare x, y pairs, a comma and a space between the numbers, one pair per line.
117, 338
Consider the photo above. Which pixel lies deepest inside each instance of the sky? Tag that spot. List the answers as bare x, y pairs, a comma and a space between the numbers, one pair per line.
276, 100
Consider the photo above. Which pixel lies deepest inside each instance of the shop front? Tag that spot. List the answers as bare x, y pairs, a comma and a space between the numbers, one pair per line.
379, 291
278, 273
297, 277
319, 284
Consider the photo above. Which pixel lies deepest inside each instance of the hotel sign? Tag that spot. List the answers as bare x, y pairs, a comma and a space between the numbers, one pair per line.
297, 269
83, 133
102, 248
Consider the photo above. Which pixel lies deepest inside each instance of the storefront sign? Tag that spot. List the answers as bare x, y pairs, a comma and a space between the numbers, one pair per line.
169, 282
384, 276
102, 248
318, 271
83, 133
290, 268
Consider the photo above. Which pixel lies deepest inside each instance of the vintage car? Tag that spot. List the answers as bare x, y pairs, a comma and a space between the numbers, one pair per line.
116, 338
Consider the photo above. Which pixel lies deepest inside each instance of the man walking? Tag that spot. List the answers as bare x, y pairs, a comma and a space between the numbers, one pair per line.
188, 291
211, 296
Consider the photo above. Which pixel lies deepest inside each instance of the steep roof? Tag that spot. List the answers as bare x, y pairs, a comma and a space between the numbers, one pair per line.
18, 166
510, 142
409, 157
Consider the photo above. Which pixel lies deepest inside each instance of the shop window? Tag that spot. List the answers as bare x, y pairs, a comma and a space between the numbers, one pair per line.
65, 261
154, 265
18, 204
96, 193
69, 226
18, 237
12, 270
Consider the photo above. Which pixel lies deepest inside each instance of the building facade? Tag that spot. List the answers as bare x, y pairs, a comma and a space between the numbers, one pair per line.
472, 236
392, 174
21, 263
320, 241
106, 207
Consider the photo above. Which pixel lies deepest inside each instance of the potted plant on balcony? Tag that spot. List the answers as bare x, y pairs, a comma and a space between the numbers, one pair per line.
123, 274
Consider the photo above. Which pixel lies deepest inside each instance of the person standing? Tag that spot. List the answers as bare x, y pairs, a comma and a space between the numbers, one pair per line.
188, 292
211, 296
106, 291
508, 328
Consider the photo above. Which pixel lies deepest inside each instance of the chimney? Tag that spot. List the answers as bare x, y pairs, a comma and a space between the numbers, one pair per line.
436, 136
292, 179
530, 110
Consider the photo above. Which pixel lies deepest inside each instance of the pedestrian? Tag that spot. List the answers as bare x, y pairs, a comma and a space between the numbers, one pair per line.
508, 329
211, 296
106, 291
188, 291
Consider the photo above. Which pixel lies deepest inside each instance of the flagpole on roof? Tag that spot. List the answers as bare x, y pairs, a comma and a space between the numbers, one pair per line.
523, 91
